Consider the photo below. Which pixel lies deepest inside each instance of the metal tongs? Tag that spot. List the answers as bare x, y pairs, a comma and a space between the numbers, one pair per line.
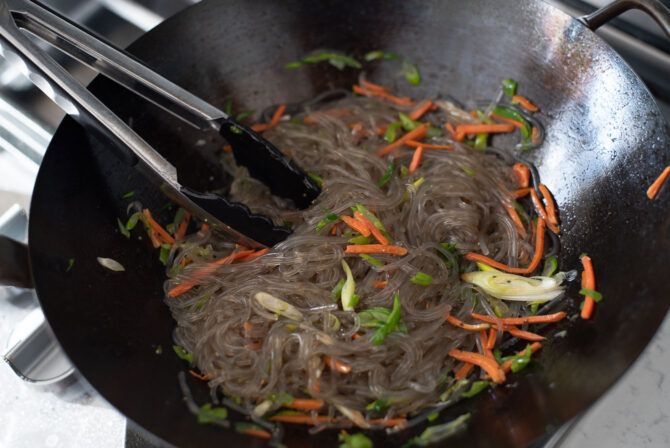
264, 161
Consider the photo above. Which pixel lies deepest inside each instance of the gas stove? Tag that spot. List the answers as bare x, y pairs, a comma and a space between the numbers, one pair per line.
45, 402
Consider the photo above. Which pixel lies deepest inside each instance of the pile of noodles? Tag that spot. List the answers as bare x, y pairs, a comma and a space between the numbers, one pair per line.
252, 353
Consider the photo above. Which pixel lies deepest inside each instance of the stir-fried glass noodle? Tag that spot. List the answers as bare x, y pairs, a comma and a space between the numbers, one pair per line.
291, 321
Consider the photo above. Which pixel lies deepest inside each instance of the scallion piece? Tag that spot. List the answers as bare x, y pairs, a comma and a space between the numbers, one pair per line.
122, 228
348, 289
372, 217
318, 179
407, 123
595, 295
394, 317
329, 217
377, 406
411, 73
550, 266
506, 112
202, 302
360, 240
372, 260
70, 263
476, 388
480, 141
422, 279
242, 115
130, 194
208, 414
337, 291
509, 86
164, 253
467, 171
183, 354
522, 359
390, 134
354, 441
387, 175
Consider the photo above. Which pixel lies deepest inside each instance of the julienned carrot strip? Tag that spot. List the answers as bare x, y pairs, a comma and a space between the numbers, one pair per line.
539, 248
306, 404
379, 236
375, 249
155, 240
511, 211
357, 127
357, 225
201, 377
521, 192
388, 422
337, 365
652, 191
493, 335
511, 121
464, 370
305, 419
525, 103
206, 270
489, 365
522, 173
483, 335
204, 227
416, 144
455, 135
522, 334
162, 233
543, 213
355, 336
507, 365
247, 326
401, 101
260, 127
228, 148
459, 323
588, 281
257, 433
416, 159
181, 231
420, 110
415, 134
374, 87
551, 205
544, 318
483, 128
379, 284
253, 255
533, 134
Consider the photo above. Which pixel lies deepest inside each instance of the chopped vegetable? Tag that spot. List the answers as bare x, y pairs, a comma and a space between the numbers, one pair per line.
390, 133
550, 266
375, 249
377, 406
336, 365
589, 282
653, 189
381, 92
489, 365
422, 279
407, 123
360, 240
387, 175
377, 317
357, 225
164, 253
416, 159
509, 86
421, 109
453, 320
394, 317
522, 320
202, 301
467, 171
208, 414
511, 114
304, 404
432, 416
379, 233
337, 291
480, 141
522, 173
372, 260
70, 263
278, 306
130, 194
373, 55
427, 146
354, 441
483, 128
252, 430
525, 103
411, 73
122, 228
348, 289
595, 295
318, 179
329, 217
521, 359
337, 60
416, 134
133, 219
183, 354
515, 287
353, 415
476, 388
111, 264
437, 433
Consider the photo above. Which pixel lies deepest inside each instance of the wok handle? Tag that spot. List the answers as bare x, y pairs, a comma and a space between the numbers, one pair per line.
657, 10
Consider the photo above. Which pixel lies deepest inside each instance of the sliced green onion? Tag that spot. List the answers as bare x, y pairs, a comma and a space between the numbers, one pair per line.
522, 359
208, 414
348, 288
183, 354
437, 433
404, 171
372, 260
70, 263
506, 286
377, 406
122, 228
476, 388
337, 60
234, 129
278, 306
292, 65
481, 141
534, 307
486, 267
329, 217
407, 123
376, 317
202, 302
394, 317
432, 416
467, 171
509, 86
111, 264
132, 221
318, 179
178, 218
595, 295
130, 194
550, 266
337, 291
390, 134
422, 279
360, 240
411, 73
506, 112
451, 248
387, 175
164, 253
373, 55
228, 108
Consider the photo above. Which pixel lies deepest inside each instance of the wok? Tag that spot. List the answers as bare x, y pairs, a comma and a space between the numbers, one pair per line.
606, 142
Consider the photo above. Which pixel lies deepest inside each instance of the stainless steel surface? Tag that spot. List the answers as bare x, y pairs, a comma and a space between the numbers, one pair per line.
654, 8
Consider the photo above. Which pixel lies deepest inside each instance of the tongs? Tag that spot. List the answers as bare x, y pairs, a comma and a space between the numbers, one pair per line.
262, 159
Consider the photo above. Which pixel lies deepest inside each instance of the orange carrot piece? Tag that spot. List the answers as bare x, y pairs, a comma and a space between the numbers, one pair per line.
379, 236
155, 240
464, 370
525, 103
420, 110
277, 115
401, 101
507, 365
415, 134
511, 121
305, 419
653, 189
228, 148
162, 233
253, 256
472, 327
455, 135
306, 404
374, 87
539, 248
522, 334
388, 422
483, 128
416, 144
544, 318
522, 173
181, 231
257, 433
493, 335
511, 211
416, 159
489, 365
588, 281
357, 127
260, 127
533, 134
337, 365
201, 377
204, 227
483, 335
542, 212
357, 225
375, 249
551, 205
521, 192
379, 284
355, 336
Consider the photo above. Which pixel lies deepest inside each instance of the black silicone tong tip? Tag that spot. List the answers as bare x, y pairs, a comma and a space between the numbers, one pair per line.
267, 164
238, 216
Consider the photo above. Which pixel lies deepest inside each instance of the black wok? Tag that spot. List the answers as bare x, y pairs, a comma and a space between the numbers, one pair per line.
606, 141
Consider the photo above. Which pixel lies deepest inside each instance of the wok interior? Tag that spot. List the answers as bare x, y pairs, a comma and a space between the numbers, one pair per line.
606, 142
